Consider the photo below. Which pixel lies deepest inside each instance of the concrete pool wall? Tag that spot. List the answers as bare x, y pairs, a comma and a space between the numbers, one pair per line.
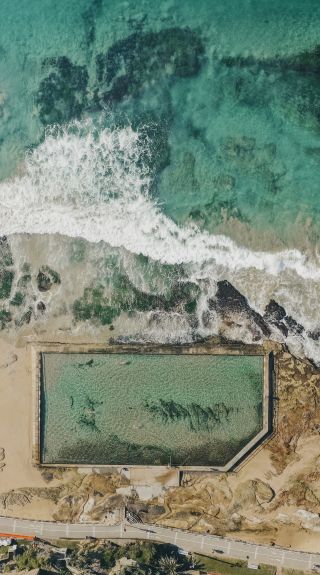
204, 348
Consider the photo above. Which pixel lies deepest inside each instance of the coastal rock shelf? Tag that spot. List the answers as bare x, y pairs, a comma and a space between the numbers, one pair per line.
193, 407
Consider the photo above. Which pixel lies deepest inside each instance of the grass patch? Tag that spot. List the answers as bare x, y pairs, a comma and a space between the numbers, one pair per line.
230, 567
72, 544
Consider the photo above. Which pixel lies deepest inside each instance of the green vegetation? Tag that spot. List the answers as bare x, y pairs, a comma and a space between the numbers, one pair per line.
229, 567
30, 559
24, 280
17, 299
149, 558
106, 303
6, 279
93, 304
144, 558
5, 317
5, 252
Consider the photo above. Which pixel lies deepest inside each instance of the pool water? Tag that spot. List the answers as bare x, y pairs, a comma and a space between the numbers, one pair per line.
107, 409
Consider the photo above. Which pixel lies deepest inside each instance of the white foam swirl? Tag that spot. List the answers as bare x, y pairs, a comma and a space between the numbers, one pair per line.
85, 183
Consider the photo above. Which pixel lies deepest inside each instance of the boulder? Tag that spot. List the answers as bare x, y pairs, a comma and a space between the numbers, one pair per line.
229, 301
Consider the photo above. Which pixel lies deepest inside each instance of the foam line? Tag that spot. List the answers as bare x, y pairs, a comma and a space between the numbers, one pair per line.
81, 182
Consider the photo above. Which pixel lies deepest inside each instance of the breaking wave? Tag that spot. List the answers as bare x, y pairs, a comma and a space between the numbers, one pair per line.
94, 183
85, 183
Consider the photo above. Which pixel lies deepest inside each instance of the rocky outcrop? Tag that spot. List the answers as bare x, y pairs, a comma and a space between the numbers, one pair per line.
276, 316
2, 458
230, 303
46, 278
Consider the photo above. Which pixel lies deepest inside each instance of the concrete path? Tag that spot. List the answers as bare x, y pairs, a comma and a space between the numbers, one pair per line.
205, 544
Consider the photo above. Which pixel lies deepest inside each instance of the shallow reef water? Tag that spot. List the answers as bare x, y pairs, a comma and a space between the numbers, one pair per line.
154, 151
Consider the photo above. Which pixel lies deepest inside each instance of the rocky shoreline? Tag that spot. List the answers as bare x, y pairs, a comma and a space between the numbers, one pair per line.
275, 492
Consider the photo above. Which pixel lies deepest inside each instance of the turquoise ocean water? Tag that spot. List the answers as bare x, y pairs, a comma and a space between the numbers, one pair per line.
167, 144
150, 409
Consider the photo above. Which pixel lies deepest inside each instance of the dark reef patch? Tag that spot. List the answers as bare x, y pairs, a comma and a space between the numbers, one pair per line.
143, 57
89, 16
298, 74
62, 94
306, 63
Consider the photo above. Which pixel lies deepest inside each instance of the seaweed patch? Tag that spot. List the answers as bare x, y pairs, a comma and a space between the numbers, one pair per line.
142, 57
198, 418
62, 94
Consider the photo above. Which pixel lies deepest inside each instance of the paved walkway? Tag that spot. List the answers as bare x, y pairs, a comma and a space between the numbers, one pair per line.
189, 541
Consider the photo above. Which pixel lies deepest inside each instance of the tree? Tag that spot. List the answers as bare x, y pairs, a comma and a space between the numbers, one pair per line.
144, 553
31, 560
168, 565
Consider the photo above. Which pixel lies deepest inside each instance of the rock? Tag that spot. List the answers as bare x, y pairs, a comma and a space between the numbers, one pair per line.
14, 498
264, 493
310, 521
69, 508
293, 325
47, 475
274, 312
41, 307
252, 492
46, 278
229, 301
244, 495
276, 315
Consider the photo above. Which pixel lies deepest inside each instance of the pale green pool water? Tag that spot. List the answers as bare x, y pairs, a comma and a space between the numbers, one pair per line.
148, 409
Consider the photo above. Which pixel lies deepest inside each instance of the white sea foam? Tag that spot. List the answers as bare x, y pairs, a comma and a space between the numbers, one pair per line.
85, 183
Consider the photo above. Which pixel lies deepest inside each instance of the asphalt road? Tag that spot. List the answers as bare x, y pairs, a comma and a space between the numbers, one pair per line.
197, 543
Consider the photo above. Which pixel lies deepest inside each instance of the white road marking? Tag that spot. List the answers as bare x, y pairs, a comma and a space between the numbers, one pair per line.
235, 549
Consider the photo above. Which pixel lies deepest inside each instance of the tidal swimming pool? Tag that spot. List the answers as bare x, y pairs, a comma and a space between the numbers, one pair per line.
153, 409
